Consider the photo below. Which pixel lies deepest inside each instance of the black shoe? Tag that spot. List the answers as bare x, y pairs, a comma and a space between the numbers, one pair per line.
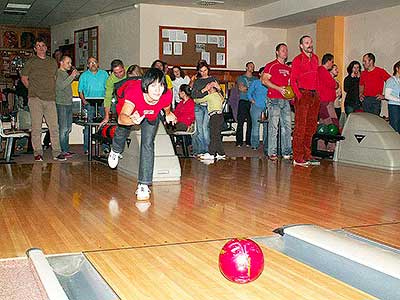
60, 157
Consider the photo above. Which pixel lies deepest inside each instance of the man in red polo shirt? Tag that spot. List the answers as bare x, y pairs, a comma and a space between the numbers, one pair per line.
276, 77
372, 81
327, 91
327, 94
305, 83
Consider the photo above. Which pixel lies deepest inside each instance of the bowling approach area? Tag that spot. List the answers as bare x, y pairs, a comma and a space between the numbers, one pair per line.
96, 244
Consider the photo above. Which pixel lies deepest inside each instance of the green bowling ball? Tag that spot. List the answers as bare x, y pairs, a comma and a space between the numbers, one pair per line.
333, 129
322, 129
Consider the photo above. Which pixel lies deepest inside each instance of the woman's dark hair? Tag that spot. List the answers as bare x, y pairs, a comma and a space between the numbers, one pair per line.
186, 89
157, 61
396, 66
180, 70
151, 76
261, 70
200, 64
351, 65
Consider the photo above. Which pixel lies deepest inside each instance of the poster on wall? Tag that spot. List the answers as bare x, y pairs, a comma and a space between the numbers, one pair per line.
165, 33
206, 56
221, 41
177, 48
10, 39
201, 39
27, 40
86, 45
212, 39
200, 48
167, 48
220, 59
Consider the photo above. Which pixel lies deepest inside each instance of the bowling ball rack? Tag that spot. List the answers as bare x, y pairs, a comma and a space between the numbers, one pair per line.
327, 138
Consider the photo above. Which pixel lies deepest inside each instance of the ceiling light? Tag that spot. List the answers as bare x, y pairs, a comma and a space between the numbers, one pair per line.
18, 6
209, 2
14, 12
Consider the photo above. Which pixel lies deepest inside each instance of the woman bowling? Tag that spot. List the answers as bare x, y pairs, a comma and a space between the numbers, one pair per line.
143, 101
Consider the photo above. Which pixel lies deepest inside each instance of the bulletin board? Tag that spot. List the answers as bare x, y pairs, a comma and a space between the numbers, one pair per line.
185, 46
86, 44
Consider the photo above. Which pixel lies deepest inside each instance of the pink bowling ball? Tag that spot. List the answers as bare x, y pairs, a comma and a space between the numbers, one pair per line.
241, 260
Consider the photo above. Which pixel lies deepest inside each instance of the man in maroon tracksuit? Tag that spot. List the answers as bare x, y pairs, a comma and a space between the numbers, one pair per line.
304, 81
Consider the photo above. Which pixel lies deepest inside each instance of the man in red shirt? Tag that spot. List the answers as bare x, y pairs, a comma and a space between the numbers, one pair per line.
305, 83
143, 101
327, 91
276, 77
372, 80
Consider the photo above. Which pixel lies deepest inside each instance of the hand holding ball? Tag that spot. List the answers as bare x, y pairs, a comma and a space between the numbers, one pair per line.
289, 94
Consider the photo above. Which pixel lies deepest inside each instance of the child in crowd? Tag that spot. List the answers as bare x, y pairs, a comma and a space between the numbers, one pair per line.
184, 111
214, 104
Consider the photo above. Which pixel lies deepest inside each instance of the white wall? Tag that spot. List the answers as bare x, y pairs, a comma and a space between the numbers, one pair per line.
244, 43
119, 35
294, 34
376, 32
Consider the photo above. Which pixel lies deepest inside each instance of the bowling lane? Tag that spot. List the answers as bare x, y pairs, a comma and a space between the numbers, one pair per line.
383, 233
190, 271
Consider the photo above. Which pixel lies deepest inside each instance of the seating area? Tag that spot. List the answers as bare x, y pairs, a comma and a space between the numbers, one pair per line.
10, 136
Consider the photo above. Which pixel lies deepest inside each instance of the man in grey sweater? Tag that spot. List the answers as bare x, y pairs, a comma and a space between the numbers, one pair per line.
64, 102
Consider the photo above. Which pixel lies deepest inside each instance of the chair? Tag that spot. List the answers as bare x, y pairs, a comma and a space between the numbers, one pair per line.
229, 119
184, 134
10, 136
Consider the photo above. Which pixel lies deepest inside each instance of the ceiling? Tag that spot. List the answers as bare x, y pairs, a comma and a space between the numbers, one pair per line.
44, 13
345, 8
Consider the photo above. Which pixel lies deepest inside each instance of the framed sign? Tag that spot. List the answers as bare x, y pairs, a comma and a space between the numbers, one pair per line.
86, 45
185, 46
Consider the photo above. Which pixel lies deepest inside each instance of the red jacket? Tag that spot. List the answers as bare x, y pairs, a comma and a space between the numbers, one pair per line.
326, 85
304, 73
184, 112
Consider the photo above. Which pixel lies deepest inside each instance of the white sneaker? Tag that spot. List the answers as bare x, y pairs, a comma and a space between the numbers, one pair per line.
301, 163
142, 192
219, 157
113, 158
207, 161
142, 206
207, 156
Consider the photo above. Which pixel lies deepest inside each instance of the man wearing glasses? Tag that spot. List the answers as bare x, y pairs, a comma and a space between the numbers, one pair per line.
92, 84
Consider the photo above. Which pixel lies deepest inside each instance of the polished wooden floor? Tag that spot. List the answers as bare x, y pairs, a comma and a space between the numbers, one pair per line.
75, 207
190, 271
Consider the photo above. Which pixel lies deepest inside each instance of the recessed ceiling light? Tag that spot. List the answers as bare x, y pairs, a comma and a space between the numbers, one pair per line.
209, 2
15, 12
18, 6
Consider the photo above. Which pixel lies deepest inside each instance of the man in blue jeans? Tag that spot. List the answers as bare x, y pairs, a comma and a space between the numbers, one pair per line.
64, 103
257, 95
92, 84
276, 77
244, 82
